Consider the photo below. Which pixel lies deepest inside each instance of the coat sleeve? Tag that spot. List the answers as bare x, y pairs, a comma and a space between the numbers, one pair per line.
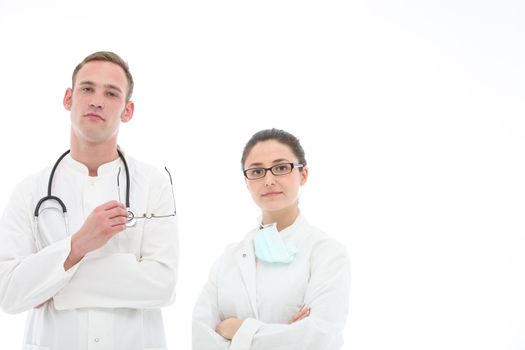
28, 276
206, 317
327, 295
123, 280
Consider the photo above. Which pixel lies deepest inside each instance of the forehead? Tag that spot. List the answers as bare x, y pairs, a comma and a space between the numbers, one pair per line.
103, 73
267, 152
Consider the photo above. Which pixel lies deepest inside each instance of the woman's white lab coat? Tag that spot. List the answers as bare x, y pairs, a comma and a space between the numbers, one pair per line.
111, 298
266, 296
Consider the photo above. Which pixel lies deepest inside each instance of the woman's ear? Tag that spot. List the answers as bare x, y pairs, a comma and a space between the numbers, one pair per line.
304, 175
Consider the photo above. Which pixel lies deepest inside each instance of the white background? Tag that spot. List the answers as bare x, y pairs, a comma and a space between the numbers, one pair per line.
411, 114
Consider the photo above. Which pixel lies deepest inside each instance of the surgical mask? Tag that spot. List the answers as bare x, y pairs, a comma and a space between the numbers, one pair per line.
270, 246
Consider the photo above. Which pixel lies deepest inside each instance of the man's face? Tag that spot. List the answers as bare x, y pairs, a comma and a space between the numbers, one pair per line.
98, 102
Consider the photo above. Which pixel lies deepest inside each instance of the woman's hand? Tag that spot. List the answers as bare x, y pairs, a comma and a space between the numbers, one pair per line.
303, 312
228, 327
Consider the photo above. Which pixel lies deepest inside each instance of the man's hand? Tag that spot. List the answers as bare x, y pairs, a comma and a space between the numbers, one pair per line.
101, 225
229, 327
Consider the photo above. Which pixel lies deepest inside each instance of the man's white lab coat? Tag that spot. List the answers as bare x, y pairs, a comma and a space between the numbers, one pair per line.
266, 296
111, 298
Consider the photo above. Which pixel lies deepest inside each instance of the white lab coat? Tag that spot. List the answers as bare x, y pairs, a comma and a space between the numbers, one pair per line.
266, 296
111, 298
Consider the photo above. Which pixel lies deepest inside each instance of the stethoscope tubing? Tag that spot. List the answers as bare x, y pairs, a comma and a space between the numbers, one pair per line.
49, 196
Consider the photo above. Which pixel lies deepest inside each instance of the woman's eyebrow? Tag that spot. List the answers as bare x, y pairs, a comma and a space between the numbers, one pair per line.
276, 161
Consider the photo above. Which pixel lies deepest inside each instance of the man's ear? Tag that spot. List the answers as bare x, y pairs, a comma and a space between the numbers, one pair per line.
68, 99
128, 112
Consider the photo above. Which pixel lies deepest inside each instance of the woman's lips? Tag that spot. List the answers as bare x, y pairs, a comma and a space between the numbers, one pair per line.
271, 194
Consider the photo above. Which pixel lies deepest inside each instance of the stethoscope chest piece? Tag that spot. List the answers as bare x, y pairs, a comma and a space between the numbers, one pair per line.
131, 219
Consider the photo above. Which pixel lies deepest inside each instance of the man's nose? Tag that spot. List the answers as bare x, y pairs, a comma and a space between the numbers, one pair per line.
96, 101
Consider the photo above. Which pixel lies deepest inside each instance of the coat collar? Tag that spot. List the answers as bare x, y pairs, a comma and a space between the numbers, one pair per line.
110, 168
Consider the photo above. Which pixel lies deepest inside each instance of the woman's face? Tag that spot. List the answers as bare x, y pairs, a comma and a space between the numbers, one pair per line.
274, 193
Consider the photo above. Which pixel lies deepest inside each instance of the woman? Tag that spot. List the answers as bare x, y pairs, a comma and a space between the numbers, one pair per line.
286, 285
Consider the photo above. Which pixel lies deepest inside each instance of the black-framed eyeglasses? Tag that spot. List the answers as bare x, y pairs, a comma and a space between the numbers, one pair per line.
277, 170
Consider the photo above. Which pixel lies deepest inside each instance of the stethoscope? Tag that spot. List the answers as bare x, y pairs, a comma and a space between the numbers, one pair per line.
131, 215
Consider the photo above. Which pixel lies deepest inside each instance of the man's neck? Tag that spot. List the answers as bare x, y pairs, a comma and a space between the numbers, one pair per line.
93, 155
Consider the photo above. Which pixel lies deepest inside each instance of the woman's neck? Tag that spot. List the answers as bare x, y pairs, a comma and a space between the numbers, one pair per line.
284, 218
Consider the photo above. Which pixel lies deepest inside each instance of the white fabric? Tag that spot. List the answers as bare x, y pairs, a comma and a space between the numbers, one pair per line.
266, 296
111, 298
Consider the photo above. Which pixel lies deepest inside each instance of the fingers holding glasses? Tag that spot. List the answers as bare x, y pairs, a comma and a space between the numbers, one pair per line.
100, 226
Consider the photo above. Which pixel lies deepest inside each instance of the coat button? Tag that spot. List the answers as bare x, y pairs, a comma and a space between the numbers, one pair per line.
97, 340
244, 255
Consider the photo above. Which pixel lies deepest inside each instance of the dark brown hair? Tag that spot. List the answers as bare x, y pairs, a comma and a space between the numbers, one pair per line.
107, 56
278, 135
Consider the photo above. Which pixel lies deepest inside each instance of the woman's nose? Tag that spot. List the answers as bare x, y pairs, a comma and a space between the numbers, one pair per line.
269, 178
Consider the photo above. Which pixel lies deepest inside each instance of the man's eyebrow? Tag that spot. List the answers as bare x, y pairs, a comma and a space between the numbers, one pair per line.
107, 86
114, 87
86, 82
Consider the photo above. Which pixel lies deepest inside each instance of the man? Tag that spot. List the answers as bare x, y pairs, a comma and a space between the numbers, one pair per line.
91, 275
